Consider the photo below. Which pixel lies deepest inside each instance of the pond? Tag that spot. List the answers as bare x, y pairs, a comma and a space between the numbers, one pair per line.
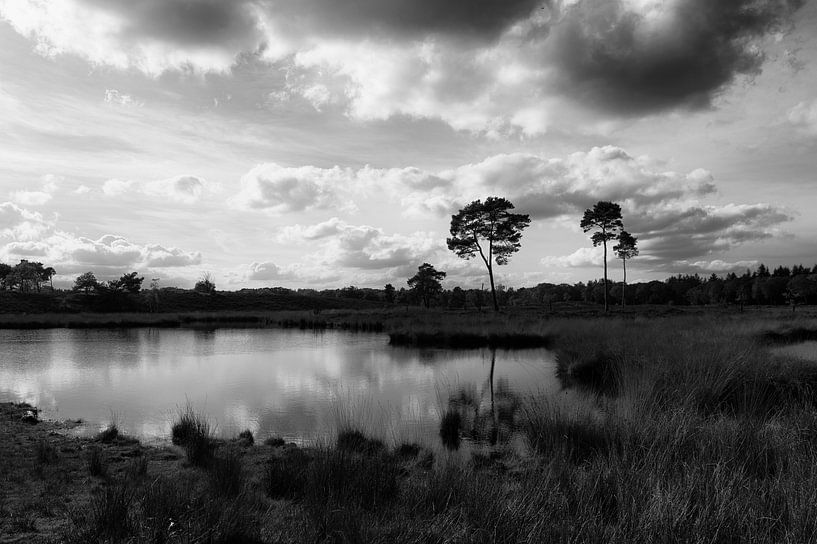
300, 385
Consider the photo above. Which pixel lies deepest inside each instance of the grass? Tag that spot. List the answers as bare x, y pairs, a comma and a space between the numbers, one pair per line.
192, 431
96, 462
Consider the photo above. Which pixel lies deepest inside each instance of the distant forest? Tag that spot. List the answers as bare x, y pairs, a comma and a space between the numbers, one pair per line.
784, 285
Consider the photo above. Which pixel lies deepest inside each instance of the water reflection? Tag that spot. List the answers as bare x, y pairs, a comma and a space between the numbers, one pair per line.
291, 383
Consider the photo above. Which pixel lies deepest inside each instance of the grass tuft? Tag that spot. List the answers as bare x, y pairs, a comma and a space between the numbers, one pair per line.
355, 441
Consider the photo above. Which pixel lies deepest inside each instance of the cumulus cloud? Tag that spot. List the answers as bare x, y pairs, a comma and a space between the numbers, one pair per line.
21, 224
581, 258
804, 117
645, 55
25, 234
185, 189
362, 247
152, 36
296, 274
489, 65
38, 197
664, 208
280, 189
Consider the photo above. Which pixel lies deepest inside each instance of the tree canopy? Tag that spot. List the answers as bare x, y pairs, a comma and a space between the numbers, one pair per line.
604, 219
426, 283
626, 248
86, 282
488, 229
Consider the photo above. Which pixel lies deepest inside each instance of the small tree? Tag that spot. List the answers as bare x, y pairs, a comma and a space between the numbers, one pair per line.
389, 292
86, 282
604, 218
47, 275
205, 284
490, 230
426, 283
627, 248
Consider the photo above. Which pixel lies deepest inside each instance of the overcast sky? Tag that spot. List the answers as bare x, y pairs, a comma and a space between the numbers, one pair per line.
324, 143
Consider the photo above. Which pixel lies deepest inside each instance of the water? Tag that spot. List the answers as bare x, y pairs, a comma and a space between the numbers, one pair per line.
300, 385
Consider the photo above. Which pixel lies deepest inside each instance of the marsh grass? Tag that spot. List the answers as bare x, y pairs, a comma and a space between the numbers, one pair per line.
96, 462
193, 431
226, 472
45, 452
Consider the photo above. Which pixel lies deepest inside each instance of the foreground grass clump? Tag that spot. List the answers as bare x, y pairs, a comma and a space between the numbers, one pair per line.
192, 431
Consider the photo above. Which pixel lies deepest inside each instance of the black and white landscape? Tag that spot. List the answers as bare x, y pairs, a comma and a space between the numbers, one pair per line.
408, 271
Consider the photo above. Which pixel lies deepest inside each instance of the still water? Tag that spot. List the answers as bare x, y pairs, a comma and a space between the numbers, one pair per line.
300, 385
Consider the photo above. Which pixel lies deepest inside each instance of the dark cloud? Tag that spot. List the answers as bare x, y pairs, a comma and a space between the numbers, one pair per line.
187, 22
682, 55
471, 18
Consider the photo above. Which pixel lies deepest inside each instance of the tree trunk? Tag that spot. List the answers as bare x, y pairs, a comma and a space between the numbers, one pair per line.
606, 305
624, 286
493, 290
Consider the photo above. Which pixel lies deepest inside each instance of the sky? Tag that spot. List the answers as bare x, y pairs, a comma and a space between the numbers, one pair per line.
326, 143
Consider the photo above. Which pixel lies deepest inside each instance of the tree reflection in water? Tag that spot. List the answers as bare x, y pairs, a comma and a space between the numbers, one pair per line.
484, 415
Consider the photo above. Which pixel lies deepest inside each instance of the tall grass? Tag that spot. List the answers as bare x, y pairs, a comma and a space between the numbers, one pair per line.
192, 431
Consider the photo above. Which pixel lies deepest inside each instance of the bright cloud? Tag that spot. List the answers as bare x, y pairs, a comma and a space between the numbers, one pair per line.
27, 234
185, 189
279, 189
804, 117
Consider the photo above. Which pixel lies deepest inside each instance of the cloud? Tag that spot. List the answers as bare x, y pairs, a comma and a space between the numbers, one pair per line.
294, 274
296, 233
112, 96
645, 55
21, 224
364, 247
277, 189
27, 234
718, 266
185, 189
581, 258
50, 184
492, 66
152, 35
804, 117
